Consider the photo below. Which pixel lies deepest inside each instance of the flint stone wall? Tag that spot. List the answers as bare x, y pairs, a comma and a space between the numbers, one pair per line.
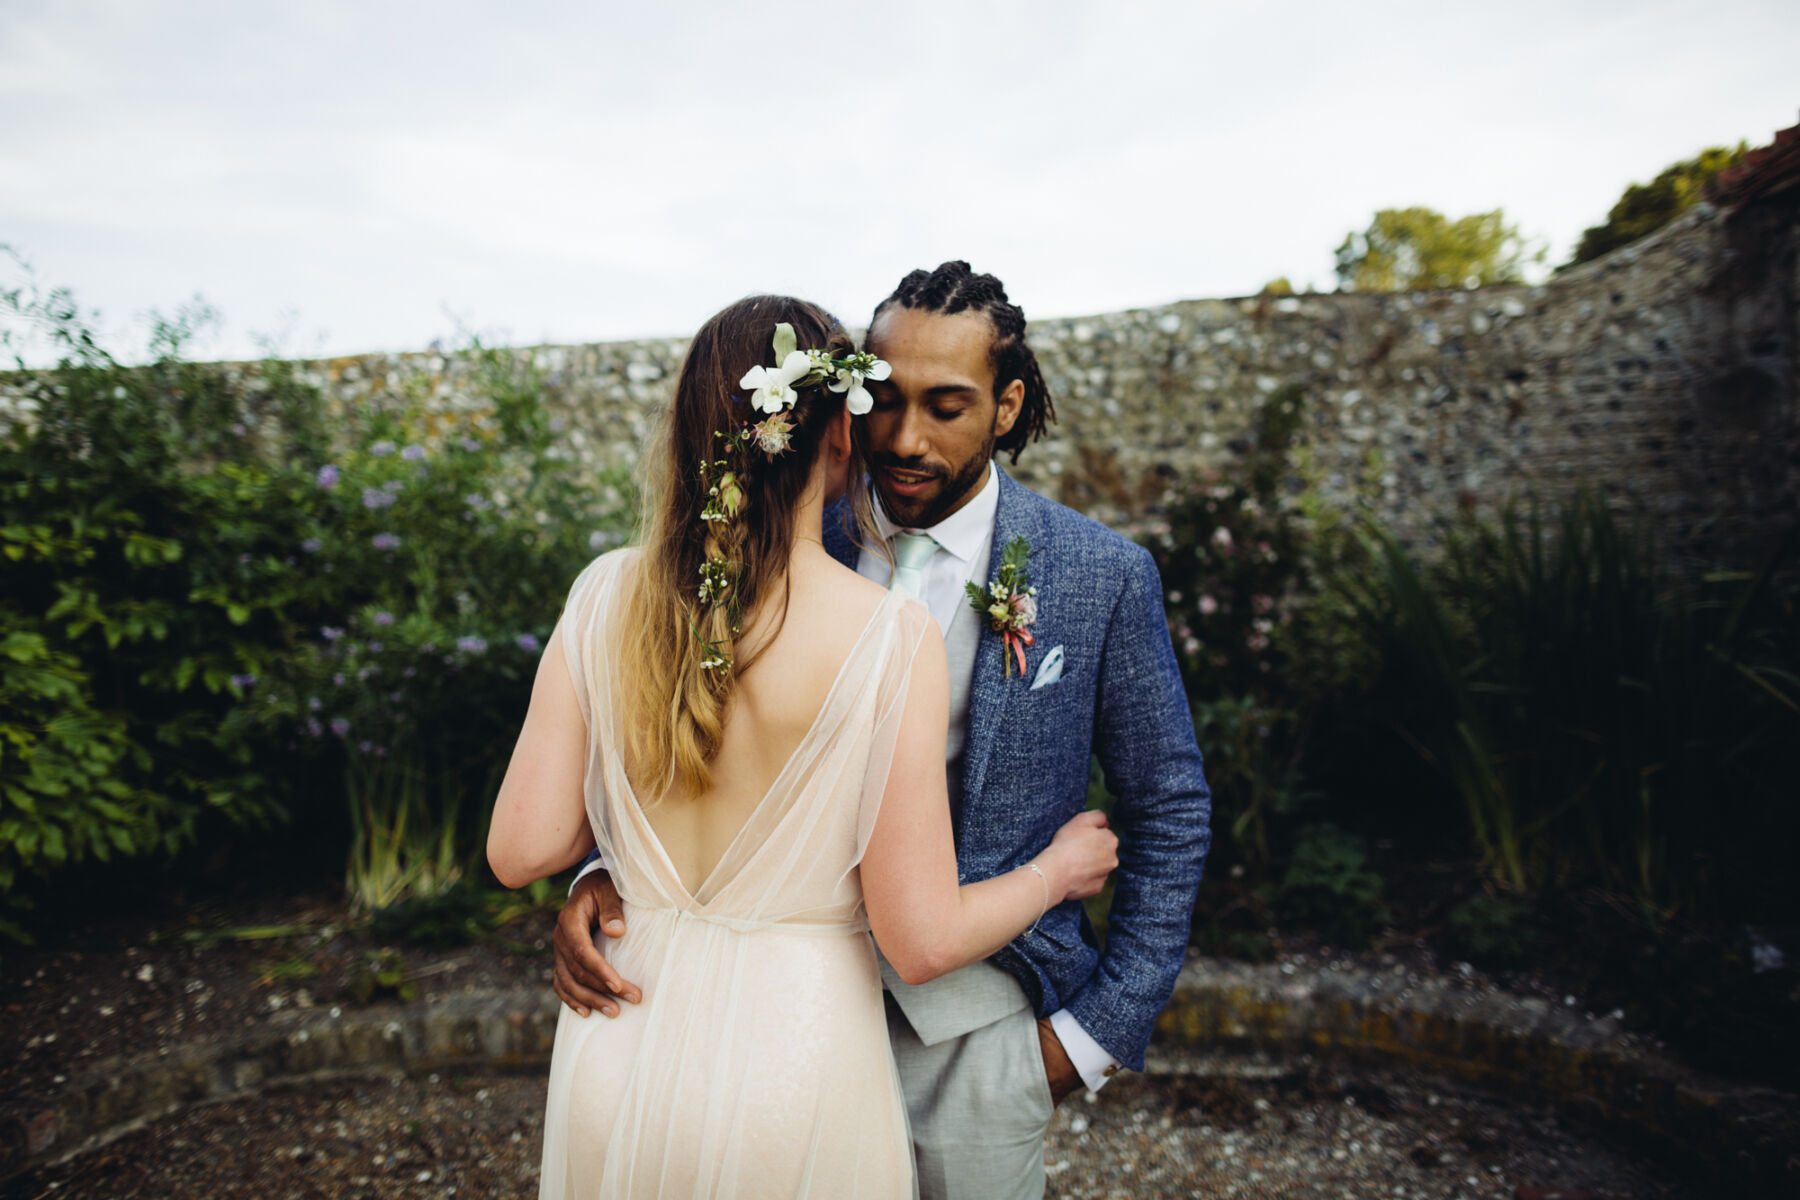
1662, 374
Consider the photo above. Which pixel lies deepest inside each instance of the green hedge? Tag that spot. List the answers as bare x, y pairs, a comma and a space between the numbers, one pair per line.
220, 590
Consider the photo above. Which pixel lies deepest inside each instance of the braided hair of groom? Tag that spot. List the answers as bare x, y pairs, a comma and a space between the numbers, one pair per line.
954, 288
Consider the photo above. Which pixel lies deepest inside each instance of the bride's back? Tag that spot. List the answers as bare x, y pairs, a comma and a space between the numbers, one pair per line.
774, 704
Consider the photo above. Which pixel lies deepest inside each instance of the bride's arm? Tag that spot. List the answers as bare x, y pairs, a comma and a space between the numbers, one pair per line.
540, 821
925, 924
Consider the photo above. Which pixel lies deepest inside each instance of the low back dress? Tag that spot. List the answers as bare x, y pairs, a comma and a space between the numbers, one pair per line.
758, 1062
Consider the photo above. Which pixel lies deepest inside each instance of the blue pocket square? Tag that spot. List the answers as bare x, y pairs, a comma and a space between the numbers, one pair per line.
1050, 670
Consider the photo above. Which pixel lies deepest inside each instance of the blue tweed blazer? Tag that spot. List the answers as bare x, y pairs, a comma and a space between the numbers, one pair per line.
1025, 768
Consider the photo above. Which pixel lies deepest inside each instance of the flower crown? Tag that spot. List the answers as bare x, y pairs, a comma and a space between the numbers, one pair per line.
774, 388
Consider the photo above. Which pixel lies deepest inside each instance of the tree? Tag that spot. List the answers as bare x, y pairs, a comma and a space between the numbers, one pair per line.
1278, 286
1411, 249
1646, 207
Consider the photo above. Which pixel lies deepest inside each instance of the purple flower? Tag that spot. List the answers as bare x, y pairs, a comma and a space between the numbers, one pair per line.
384, 618
374, 647
238, 428
469, 443
557, 424
382, 448
328, 476
528, 643
413, 453
340, 726
243, 681
376, 498
313, 727
338, 679
312, 545
386, 541
476, 501
314, 704
365, 747
330, 633
409, 672
471, 645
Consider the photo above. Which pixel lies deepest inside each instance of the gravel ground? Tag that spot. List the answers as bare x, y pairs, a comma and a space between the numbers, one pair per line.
1190, 1128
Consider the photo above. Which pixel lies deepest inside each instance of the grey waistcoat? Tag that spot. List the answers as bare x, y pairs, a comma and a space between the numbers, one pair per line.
980, 993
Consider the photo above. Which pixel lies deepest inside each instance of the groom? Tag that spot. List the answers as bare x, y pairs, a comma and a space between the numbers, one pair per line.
986, 1052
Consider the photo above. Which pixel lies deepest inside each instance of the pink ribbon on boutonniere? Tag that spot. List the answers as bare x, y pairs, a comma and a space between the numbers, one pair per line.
1008, 605
1016, 641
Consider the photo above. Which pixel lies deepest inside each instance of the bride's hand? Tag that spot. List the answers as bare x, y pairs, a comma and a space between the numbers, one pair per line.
1080, 857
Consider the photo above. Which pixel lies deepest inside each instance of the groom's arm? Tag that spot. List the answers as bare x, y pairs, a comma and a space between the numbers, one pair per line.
1144, 738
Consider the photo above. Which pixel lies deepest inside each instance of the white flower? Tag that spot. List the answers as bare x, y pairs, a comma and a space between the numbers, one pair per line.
858, 401
773, 386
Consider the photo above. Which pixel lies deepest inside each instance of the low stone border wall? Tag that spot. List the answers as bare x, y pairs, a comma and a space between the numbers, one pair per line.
1526, 1048
1523, 1047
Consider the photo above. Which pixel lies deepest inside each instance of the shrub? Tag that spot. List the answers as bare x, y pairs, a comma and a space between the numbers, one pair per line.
1492, 929
1242, 563
228, 603
1328, 886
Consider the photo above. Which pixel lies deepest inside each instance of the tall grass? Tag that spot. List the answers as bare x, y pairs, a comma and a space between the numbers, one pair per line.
1598, 722
407, 839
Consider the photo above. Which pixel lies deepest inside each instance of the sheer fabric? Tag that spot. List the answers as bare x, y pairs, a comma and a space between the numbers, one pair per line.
758, 1063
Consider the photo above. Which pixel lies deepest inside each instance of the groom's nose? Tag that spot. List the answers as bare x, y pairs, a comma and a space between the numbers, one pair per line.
908, 441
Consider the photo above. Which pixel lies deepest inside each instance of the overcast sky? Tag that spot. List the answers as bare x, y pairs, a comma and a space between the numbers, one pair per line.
345, 177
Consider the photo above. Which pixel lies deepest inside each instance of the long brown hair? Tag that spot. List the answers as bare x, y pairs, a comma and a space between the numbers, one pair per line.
676, 707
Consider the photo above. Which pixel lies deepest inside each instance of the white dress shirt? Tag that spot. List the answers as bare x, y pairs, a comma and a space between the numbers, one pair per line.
964, 541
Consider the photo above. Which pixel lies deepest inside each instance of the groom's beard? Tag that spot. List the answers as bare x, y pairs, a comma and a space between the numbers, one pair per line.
951, 488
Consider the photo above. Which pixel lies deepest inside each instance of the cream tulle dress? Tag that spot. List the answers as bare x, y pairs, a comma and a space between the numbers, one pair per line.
758, 1062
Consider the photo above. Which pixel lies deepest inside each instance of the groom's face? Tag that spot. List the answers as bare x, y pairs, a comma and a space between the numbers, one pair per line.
932, 429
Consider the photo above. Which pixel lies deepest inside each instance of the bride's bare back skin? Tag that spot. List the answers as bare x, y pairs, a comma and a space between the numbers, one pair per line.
793, 663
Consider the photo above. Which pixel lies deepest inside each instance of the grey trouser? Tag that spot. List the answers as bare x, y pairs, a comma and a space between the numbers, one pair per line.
979, 1105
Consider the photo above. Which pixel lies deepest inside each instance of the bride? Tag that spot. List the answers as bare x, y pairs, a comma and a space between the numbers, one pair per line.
753, 736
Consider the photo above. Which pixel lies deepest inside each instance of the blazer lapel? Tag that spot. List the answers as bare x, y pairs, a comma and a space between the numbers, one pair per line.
990, 691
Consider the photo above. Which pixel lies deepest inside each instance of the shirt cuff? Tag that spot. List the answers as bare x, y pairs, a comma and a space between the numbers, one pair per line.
1092, 1060
595, 862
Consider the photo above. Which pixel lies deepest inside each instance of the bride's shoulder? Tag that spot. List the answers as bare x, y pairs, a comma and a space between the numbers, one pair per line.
860, 599
614, 564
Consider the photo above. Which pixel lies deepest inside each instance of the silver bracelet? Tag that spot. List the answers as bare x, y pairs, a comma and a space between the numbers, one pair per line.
1045, 880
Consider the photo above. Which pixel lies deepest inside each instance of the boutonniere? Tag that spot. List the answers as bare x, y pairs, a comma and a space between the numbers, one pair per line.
1008, 605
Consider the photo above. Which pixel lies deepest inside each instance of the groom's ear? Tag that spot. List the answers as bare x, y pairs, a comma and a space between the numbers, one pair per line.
1007, 405
837, 433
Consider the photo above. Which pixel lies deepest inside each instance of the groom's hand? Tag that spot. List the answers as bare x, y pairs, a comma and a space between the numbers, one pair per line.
584, 980
1064, 1078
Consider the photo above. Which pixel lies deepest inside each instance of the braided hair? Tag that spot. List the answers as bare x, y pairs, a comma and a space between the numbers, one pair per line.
955, 288
719, 532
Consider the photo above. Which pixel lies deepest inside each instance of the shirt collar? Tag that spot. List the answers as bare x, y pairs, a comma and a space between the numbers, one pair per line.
965, 531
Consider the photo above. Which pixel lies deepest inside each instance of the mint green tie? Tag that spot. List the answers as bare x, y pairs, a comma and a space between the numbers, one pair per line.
911, 552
